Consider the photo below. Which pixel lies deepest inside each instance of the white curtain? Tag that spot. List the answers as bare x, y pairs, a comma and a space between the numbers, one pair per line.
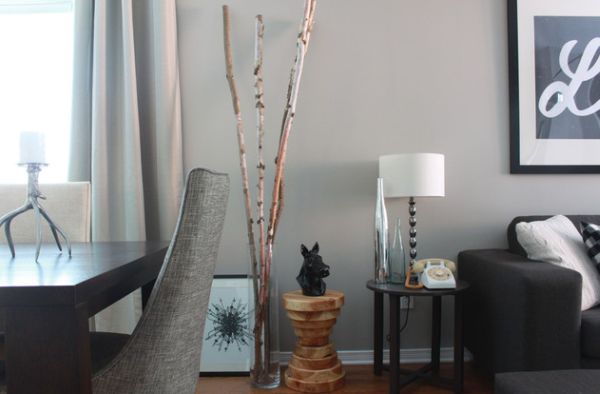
126, 126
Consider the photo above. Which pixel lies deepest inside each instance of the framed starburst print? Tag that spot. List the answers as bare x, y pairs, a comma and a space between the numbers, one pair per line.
227, 336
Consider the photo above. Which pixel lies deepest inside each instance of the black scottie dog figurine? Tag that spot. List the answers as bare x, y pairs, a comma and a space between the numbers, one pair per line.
312, 272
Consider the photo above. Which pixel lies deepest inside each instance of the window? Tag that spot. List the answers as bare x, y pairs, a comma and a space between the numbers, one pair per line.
36, 63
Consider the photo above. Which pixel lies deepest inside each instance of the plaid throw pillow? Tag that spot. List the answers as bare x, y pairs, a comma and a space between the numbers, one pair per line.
591, 238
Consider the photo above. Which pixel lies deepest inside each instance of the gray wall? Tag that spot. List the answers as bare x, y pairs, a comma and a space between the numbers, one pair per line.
382, 76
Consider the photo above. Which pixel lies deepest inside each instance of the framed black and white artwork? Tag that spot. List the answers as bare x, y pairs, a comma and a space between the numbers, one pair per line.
227, 331
554, 67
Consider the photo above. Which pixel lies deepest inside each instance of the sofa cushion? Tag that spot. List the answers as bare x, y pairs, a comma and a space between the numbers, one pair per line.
557, 241
580, 381
513, 243
590, 333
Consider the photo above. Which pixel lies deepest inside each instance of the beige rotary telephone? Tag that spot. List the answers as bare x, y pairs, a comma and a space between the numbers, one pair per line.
433, 274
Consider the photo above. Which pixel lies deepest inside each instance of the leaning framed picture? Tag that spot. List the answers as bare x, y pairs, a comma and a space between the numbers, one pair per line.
554, 72
227, 336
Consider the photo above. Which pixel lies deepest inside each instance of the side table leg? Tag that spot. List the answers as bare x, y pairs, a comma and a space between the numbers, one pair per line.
394, 344
458, 344
378, 335
436, 335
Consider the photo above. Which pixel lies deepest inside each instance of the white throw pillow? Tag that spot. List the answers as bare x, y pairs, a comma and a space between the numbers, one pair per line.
557, 241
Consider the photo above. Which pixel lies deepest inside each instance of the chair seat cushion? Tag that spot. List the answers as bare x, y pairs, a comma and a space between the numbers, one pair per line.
581, 381
590, 332
104, 347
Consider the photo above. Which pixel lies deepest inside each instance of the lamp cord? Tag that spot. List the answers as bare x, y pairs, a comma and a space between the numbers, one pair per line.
407, 312
403, 326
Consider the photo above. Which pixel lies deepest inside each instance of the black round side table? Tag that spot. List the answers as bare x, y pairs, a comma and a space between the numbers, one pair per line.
431, 371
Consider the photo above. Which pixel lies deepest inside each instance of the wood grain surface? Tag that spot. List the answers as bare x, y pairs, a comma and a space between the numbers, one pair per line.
314, 366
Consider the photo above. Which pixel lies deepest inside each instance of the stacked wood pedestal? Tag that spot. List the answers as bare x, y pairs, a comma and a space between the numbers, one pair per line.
314, 366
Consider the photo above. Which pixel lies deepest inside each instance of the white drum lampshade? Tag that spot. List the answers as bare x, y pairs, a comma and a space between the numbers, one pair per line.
412, 175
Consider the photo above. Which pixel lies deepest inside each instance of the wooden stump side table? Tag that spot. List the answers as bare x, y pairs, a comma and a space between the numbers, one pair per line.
314, 367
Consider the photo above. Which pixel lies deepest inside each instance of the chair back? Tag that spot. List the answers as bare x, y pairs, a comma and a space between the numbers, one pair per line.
68, 204
163, 353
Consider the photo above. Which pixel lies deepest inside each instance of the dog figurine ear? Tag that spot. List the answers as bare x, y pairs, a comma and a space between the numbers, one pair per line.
315, 248
304, 250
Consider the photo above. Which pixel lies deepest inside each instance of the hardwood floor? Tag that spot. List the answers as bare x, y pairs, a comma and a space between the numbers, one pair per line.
359, 379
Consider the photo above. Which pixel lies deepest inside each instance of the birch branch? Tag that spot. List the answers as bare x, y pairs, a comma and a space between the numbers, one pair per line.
290, 108
281, 206
260, 132
289, 114
310, 23
241, 144
260, 121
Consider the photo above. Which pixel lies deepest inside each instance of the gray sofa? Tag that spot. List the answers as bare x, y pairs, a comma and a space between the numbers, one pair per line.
525, 315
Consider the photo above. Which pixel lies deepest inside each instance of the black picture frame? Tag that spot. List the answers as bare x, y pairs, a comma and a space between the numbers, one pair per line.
521, 131
235, 371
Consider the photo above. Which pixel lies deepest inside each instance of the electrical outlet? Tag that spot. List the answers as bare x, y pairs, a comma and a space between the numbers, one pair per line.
407, 302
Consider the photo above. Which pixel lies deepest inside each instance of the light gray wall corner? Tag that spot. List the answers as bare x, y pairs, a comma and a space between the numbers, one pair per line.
381, 77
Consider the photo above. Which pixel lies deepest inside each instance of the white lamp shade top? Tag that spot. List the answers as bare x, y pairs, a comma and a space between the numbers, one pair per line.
412, 175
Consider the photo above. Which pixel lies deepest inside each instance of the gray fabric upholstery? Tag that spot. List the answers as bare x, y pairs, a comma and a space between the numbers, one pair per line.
582, 381
590, 333
163, 353
525, 315
520, 314
590, 363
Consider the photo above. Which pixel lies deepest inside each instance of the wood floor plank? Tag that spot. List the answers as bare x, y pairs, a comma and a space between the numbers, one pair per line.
359, 380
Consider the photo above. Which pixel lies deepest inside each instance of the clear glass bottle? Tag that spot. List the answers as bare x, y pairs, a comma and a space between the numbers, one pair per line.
382, 263
397, 257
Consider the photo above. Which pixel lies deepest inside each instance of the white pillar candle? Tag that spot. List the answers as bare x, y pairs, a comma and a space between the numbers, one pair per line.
32, 147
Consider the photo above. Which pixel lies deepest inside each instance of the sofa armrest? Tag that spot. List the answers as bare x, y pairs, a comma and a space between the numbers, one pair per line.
520, 314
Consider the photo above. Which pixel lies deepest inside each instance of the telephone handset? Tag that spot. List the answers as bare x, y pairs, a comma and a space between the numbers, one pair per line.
433, 274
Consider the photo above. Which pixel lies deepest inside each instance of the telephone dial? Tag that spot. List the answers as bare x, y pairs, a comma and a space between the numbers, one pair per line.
432, 274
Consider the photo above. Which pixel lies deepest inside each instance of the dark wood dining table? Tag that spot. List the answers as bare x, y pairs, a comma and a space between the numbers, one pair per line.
48, 303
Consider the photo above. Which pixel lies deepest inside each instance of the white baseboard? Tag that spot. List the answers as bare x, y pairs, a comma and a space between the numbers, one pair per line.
407, 356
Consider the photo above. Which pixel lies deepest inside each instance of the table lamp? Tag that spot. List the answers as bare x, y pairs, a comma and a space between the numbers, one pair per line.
412, 175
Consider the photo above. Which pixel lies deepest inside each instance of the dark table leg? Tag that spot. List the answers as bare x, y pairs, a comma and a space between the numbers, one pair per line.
48, 350
436, 335
378, 335
458, 344
394, 344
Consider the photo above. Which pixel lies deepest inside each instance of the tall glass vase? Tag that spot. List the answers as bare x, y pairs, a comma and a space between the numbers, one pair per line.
266, 371
382, 264
398, 267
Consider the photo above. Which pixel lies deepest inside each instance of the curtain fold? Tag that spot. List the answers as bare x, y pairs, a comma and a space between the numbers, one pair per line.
126, 126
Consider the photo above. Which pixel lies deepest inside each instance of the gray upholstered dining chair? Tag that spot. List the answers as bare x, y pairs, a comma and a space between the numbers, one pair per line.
163, 353
68, 203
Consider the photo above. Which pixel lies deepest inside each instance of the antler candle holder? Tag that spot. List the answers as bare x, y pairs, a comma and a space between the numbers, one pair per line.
31, 202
